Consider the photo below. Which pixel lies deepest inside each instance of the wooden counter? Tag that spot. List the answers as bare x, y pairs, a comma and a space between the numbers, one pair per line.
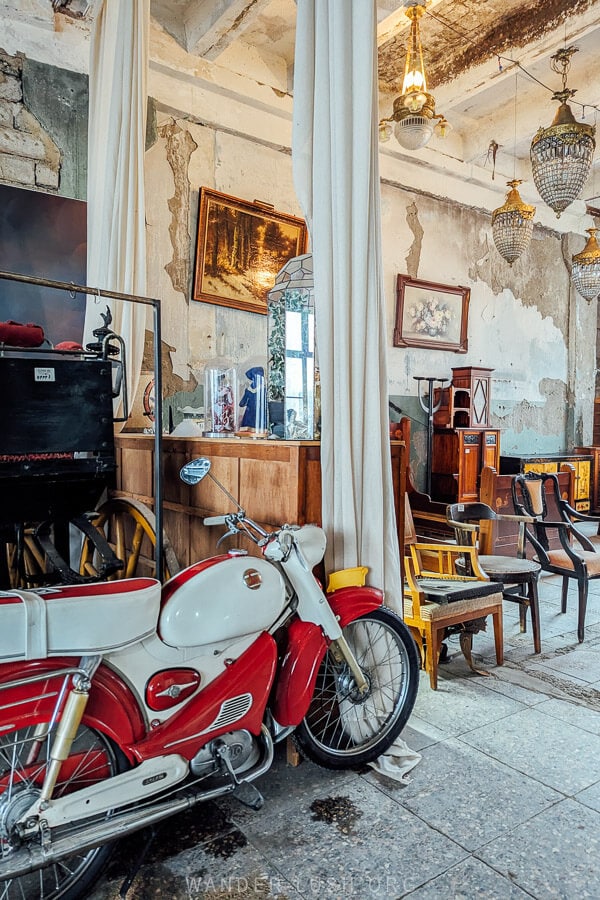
274, 481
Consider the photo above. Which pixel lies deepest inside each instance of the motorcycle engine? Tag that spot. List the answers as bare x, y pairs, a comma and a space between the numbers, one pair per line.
243, 753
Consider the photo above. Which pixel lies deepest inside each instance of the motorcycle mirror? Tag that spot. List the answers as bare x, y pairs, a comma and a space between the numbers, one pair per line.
195, 470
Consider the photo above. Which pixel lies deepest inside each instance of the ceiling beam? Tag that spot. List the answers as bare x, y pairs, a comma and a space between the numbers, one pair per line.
210, 27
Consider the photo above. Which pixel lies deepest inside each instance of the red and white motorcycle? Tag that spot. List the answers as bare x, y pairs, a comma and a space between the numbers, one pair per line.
122, 703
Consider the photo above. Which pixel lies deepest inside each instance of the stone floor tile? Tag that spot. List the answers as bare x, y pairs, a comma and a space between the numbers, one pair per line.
502, 684
470, 879
357, 844
419, 733
553, 752
451, 775
590, 796
554, 855
581, 663
461, 704
573, 713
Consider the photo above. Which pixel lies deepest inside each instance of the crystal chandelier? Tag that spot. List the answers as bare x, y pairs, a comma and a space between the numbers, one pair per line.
561, 155
414, 113
512, 224
585, 271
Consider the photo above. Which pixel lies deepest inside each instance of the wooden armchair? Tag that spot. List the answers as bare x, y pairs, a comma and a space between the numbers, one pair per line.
438, 601
534, 494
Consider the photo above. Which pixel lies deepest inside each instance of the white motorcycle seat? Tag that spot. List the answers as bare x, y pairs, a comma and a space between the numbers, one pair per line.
79, 619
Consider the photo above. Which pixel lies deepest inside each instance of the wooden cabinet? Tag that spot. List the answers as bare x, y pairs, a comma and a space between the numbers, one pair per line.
459, 455
466, 402
274, 481
511, 465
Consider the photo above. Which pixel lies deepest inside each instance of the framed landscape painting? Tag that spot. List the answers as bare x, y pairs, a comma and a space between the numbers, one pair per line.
431, 315
240, 249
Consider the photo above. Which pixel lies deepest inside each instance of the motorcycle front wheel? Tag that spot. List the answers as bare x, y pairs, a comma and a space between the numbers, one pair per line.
342, 728
23, 763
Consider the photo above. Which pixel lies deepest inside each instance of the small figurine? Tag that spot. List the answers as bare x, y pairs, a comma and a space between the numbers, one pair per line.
223, 407
255, 401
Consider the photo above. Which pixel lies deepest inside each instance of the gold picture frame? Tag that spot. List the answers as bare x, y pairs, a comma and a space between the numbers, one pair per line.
431, 315
241, 246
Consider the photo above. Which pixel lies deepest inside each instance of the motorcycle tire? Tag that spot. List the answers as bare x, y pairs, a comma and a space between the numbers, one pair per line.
343, 729
93, 757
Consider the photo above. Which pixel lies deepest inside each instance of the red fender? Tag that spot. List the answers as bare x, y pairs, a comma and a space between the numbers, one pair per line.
349, 603
306, 649
111, 709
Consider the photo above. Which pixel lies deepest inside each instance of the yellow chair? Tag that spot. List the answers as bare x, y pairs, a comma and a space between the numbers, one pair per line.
436, 599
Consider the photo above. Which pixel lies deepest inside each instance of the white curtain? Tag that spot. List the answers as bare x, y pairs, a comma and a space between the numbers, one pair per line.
336, 175
116, 216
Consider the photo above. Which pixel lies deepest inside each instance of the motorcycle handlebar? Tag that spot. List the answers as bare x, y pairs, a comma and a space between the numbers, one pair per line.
215, 520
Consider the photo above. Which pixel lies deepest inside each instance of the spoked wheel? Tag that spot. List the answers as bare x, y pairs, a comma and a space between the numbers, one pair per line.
343, 728
130, 528
23, 761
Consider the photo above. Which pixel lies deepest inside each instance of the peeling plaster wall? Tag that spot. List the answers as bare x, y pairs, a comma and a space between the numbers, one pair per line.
185, 157
525, 322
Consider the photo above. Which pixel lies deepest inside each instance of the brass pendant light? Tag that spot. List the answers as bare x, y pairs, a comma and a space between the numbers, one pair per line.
561, 155
414, 114
512, 224
585, 271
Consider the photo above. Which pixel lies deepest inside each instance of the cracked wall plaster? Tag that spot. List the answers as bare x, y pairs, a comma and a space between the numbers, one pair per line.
179, 147
414, 254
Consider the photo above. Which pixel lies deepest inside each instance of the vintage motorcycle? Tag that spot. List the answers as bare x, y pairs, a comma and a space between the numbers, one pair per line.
123, 703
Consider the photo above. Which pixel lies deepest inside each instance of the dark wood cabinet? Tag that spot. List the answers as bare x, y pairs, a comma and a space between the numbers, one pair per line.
459, 455
463, 443
466, 402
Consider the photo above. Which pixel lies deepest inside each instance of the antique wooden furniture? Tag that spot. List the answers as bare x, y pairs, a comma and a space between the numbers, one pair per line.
577, 557
500, 536
438, 601
463, 441
518, 575
594, 452
274, 481
459, 455
513, 465
465, 403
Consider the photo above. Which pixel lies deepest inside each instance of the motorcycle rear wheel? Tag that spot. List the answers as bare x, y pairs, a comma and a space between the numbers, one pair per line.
343, 729
23, 760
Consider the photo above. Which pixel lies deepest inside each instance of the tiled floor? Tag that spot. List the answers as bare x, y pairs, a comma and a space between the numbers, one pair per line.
505, 802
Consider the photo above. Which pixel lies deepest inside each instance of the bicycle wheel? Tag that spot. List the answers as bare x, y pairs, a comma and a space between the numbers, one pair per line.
343, 728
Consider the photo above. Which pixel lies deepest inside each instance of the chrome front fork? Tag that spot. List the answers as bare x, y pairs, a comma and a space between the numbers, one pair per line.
68, 725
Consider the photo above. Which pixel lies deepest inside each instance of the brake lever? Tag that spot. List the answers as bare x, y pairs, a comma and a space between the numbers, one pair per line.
229, 533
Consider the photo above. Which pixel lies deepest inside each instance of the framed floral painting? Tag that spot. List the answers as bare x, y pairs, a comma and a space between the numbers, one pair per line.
431, 315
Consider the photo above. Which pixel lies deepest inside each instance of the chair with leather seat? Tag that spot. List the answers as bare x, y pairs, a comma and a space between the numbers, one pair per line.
573, 555
518, 574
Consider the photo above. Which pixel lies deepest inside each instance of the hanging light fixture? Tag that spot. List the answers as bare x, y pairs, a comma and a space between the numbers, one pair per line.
414, 113
561, 155
512, 224
585, 271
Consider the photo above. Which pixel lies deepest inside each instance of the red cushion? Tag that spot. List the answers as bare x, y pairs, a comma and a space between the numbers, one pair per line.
18, 335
